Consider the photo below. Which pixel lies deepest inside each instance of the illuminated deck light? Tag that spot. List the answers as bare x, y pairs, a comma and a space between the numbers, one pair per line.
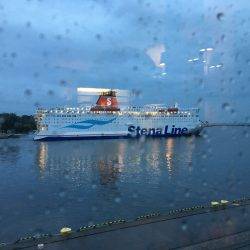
162, 65
218, 66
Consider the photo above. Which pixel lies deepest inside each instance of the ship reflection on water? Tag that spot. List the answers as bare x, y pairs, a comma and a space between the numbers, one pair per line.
75, 160
42, 156
109, 158
108, 172
169, 154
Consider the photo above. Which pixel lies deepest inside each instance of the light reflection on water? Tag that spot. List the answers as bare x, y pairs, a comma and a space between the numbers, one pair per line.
169, 154
111, 157
46, 185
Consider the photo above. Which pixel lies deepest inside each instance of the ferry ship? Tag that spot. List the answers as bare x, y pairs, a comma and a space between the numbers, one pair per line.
105, 119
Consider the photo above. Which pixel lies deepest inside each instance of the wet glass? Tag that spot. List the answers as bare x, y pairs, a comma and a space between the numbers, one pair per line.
183, 54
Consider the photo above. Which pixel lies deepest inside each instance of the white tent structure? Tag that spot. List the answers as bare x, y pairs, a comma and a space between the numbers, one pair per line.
89, 96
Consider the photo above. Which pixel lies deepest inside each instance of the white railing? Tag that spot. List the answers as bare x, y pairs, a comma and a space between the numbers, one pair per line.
134, 110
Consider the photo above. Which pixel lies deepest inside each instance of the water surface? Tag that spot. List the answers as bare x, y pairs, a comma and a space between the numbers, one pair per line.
47, 185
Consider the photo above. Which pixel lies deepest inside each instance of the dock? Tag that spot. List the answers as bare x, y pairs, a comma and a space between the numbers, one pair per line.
8, 135
226, 124
218, 225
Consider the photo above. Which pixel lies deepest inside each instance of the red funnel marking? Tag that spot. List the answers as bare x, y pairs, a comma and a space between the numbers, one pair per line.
107, 101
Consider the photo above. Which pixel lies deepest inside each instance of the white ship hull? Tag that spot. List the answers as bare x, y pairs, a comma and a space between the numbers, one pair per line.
88, 125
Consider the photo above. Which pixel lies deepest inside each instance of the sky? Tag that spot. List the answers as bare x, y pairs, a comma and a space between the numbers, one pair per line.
48, 48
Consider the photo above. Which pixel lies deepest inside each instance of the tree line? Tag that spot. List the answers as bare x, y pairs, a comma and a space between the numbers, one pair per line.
12, 123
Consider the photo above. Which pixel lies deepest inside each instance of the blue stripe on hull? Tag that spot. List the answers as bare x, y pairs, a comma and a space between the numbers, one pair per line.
62, 138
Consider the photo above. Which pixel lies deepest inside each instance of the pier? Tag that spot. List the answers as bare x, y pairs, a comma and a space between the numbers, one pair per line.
226, 124
221, 224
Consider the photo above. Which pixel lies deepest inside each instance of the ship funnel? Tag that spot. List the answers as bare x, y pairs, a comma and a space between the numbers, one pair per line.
107, 101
